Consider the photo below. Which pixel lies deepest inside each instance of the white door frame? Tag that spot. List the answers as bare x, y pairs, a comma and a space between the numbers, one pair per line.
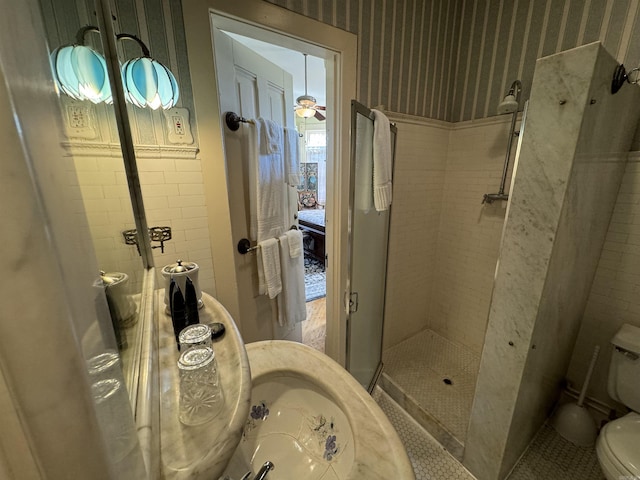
279, 26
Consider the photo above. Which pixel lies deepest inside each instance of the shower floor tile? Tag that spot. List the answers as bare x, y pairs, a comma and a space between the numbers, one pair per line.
429, 459
551, 457
434, 380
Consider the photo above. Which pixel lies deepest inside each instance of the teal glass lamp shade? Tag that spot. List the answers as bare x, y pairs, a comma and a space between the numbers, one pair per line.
81, 73
148, 83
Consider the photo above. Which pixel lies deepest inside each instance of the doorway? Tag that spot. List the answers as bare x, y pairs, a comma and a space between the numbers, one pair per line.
308, 75
338, 49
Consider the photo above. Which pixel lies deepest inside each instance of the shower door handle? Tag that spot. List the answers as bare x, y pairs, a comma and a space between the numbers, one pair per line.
353, 302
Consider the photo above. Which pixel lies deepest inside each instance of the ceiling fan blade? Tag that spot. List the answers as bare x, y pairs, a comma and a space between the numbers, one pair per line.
319, 116
320, 107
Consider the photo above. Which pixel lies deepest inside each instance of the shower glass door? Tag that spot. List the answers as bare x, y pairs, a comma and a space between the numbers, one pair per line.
369, 234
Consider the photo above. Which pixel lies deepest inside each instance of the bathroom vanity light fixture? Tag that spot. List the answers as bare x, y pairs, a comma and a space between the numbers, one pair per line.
147, 82
81, 73
620, 75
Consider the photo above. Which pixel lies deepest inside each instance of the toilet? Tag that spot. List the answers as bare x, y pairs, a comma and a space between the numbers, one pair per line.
617, 445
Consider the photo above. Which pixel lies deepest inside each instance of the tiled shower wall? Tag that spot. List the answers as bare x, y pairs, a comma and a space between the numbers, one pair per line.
421, 155
469, 232
444, 243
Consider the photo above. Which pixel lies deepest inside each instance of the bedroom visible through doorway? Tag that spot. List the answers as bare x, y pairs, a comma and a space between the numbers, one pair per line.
311, 220
309, 78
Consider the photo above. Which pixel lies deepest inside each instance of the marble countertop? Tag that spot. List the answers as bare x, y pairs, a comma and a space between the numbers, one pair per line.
202, 452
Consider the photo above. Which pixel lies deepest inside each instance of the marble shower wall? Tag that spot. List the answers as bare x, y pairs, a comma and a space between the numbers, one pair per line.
572, 158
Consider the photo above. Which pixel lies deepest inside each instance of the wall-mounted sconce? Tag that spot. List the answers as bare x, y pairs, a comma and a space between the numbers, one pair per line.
156, 234
81, 73
620, 75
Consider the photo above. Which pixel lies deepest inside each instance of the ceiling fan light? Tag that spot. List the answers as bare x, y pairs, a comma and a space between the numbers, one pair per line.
305, 112
306, 101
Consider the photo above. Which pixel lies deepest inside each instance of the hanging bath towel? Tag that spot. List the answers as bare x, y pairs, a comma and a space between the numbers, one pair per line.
292, 307
382, 168
268, 195
292, 157
269, 273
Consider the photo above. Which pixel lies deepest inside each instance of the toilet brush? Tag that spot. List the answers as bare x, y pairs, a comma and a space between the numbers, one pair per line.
572, 420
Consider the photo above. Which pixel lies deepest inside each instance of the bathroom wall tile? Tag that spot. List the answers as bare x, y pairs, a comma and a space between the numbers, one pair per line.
156, 165
188, 165
191, 189
469, 232
152, 178
188, 201
159, 190
418, 175
184, 177
194, 212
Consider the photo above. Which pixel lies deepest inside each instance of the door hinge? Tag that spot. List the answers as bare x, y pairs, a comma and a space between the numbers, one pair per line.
353, 302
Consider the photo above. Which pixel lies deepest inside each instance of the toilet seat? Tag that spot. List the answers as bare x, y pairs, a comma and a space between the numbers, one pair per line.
617, 447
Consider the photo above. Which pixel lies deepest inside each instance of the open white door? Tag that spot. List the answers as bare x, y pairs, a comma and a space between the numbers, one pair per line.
252, 87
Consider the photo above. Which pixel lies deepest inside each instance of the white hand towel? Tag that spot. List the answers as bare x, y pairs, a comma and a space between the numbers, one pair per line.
292, 307
269, 261
292, 157
382, 168
294, 239
270, 200
271, 137
364, 167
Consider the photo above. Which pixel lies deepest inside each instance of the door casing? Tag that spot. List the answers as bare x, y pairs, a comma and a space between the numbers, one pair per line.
267, 22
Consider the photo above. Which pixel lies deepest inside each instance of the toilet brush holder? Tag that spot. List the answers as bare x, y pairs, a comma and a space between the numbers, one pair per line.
572, 420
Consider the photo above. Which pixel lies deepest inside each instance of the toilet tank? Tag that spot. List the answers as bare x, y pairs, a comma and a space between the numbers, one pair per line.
624, 371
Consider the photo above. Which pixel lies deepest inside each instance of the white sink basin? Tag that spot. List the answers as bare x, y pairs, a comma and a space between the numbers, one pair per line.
313, 421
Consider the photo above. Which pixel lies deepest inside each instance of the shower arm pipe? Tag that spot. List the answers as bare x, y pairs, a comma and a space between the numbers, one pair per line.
515, 89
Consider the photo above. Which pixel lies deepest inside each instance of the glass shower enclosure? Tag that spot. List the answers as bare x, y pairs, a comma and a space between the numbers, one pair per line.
369, 239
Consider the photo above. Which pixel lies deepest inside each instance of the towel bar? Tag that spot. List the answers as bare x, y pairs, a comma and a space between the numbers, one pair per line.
244, 245
233, 120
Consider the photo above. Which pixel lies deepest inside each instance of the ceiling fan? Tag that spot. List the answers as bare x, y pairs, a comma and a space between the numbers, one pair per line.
306, 105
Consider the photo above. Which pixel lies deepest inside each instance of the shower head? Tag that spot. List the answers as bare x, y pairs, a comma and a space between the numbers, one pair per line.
508, 105
511, 101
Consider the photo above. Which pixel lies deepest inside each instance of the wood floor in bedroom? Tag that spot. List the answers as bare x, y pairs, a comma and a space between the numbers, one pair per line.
314, 327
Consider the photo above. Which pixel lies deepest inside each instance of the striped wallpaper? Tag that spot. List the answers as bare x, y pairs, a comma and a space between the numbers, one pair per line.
444, 59
454, 59
404, 49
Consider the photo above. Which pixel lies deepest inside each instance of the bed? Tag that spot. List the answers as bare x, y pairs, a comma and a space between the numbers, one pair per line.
312, 225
